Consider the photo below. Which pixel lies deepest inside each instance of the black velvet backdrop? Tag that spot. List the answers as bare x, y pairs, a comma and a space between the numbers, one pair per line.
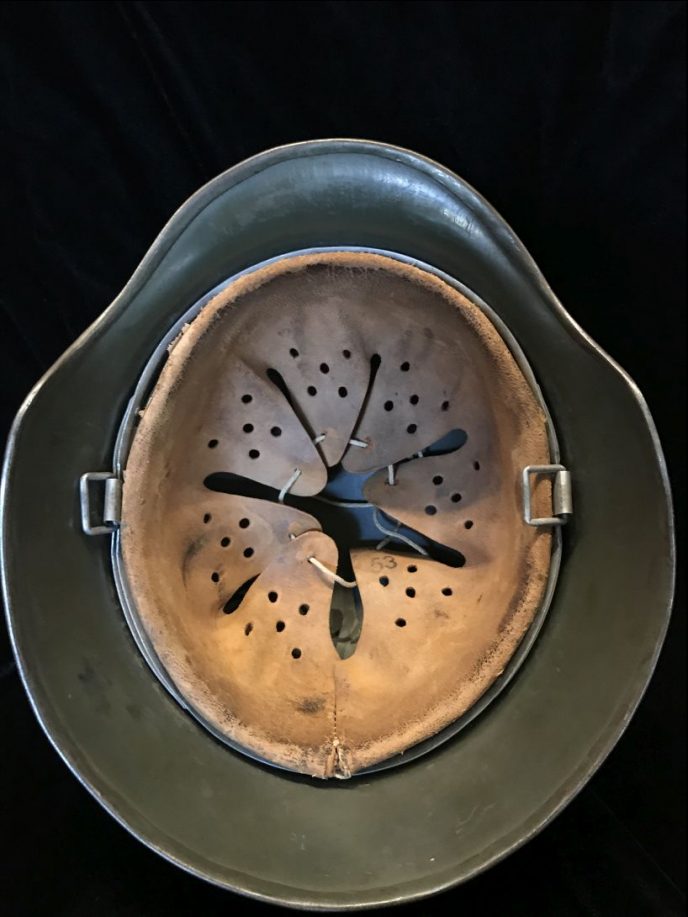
568, 117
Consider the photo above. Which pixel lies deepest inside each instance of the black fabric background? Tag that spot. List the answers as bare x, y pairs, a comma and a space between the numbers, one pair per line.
568, 117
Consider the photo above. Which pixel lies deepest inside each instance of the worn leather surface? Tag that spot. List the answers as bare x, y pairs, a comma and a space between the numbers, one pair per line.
368, 349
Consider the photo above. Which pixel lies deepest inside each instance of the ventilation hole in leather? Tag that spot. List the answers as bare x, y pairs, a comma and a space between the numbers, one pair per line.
445, 405
254, 454
238, 596
384, 581
296, 653
226, 542
294, 352
324, 368
405, 367
412, 427
248, 428
456, 498
247, 399
207, 518
412, 568
304, 609
215, 577
346, 354
342, 391
447, 591
279, 626
212, 443
476, 465
468, 524
272, 597
437, 480
430, 510
244, 523
410, 592
312, 391
248, 552
414, 399
400, 622
276, 431
388, 405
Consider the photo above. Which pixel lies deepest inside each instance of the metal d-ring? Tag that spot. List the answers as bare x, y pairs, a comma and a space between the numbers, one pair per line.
562, 496
112, 502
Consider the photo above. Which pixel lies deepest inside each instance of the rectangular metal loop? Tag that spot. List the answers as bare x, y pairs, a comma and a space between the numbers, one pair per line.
562, 495
112, 502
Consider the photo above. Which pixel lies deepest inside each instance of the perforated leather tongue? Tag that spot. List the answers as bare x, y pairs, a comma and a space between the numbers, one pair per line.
314, 363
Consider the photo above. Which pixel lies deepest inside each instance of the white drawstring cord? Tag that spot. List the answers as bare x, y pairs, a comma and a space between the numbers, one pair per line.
354, 504
290, 483
334, 577
396, 535
330, 574
391, 479
361, 444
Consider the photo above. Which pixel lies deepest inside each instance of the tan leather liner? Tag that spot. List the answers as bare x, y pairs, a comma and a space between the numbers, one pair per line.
274, 376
